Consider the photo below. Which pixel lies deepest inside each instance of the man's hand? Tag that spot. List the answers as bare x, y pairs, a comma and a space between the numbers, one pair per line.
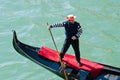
73, 38
48, 27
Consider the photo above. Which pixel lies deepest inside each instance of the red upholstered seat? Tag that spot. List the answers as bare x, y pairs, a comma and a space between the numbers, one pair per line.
93, 67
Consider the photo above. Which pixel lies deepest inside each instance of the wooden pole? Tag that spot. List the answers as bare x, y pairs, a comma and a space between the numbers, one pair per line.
66, 78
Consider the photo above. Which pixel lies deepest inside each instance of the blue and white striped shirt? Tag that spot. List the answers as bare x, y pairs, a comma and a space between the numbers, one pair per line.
70, 29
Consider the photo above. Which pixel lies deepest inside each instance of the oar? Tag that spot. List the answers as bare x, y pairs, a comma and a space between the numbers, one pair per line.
66, 78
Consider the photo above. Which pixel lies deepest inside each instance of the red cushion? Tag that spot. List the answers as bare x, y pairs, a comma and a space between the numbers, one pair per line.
93, 67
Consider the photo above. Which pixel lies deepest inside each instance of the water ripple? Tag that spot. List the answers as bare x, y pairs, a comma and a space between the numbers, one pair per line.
10, 63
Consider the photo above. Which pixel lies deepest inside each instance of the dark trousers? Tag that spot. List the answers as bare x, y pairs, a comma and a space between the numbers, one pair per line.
75, 45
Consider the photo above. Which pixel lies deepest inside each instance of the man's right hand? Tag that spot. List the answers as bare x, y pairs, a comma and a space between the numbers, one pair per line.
73, 38
48, 27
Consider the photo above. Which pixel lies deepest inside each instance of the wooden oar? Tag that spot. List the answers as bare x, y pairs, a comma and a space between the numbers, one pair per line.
61, 63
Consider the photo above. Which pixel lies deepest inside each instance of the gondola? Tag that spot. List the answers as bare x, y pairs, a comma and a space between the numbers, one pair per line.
48, 59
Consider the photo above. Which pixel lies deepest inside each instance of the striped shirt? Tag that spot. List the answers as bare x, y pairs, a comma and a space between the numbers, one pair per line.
70, 29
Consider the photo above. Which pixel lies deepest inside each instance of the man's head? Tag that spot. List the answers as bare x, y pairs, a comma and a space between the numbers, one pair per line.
71, 18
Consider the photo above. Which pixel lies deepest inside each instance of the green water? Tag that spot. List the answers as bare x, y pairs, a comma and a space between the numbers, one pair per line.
100, 41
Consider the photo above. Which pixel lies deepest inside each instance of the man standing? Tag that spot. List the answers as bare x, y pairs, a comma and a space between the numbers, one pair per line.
73, 31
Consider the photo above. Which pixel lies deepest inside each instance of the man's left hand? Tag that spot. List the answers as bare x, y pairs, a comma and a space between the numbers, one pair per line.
73, 38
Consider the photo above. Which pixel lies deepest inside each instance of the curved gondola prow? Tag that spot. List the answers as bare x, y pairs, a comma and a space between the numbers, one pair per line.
14, 36
15, 40
19, 48
17, 44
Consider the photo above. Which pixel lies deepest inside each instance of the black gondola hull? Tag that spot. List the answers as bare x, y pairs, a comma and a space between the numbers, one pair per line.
30, 52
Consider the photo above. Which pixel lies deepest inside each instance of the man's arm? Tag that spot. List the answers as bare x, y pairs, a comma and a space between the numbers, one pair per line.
79, 31
61, 24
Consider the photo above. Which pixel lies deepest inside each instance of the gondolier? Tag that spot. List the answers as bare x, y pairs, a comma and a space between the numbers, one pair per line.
73, 31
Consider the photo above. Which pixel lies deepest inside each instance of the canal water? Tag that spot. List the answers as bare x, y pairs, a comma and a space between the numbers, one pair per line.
100, 41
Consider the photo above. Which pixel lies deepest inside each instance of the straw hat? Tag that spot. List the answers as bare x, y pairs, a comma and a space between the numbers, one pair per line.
70, 17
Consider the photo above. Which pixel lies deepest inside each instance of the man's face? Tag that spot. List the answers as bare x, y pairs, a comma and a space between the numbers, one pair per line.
72, 21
